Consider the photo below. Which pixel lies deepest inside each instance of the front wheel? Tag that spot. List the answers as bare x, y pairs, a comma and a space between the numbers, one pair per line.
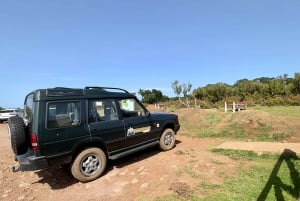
167, 140
89, 165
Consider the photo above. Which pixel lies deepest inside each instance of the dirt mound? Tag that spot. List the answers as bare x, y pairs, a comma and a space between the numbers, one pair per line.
252, 125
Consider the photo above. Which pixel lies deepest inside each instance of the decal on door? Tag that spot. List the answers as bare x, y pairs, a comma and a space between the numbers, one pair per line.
133, 131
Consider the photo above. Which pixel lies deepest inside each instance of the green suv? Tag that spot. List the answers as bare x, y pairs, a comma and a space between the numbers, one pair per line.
85, 128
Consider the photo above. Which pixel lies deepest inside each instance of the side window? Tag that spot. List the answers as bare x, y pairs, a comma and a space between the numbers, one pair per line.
29, 108
102, 110
63, 114
131, 108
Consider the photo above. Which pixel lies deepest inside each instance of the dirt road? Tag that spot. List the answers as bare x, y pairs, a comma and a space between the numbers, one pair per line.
272, 147
142, 176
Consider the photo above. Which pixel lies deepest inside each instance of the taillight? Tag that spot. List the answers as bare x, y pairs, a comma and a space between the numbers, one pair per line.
34, 143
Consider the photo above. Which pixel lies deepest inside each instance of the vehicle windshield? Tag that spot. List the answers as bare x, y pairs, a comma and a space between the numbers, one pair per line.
28, 107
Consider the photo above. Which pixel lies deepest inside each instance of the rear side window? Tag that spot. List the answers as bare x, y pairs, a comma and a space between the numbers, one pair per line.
63, 114
102, 110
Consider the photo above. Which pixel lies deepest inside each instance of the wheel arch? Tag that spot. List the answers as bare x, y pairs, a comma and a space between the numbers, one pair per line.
98, 143
168, 125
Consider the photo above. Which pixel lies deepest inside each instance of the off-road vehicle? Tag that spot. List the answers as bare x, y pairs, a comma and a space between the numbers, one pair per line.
84, 128
7, 113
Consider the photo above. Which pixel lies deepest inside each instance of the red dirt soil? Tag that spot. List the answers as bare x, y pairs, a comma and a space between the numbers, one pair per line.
145, 175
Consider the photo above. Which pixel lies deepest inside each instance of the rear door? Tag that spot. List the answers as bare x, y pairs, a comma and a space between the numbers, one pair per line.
138, 124
64, 127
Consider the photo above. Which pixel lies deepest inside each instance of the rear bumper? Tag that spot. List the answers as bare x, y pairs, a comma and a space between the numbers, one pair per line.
29, 161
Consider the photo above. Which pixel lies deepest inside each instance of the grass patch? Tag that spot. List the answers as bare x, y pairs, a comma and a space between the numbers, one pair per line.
232, 131
208, 186
190, 171
244, 155
213, 119
269, 177
265, 177
283, 111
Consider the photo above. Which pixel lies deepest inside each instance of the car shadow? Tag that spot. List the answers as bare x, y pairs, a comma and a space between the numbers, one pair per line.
56, 177
61, 177
135, 157
275, 183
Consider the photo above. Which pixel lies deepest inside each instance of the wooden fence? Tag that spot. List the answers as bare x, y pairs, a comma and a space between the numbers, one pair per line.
235, 106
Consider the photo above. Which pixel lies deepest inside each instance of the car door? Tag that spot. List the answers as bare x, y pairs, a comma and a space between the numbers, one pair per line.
105, 124
63, 128
138, 125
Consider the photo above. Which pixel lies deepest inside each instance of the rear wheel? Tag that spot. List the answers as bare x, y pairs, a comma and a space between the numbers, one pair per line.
167, 140
89, 165
16, 129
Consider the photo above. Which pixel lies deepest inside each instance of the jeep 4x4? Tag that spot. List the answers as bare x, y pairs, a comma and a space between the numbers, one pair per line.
85, 128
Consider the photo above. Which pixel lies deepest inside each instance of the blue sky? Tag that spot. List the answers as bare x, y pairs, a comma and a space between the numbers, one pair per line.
137, 44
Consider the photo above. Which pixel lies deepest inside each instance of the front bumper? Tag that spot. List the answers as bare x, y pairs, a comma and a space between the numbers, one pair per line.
30, 162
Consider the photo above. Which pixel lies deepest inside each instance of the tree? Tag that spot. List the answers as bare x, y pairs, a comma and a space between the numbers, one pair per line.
296, 83
246, 88
185, 89
177, 89
214, 92
151, 96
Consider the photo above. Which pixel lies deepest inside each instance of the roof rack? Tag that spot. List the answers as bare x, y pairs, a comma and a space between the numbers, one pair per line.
103, 88
63, 91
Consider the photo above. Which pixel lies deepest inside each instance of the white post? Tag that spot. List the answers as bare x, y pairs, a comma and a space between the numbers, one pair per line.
233, 107
225, 107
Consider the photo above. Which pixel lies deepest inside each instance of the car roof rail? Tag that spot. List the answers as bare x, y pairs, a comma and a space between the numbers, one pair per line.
109, 88
63, 91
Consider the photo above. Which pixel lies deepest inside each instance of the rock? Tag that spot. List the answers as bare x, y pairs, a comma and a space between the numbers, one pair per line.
23, 185
134, 181
4, 195
182, 189
21, 197
140, 169
180, 152
145, 185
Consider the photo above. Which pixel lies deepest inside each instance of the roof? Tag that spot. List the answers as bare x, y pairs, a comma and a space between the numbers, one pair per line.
63, 93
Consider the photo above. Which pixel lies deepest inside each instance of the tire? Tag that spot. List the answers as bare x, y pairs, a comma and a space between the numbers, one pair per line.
167, 140
16, 129
89, 165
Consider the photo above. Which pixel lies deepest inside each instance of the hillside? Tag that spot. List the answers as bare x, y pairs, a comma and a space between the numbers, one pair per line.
253, 124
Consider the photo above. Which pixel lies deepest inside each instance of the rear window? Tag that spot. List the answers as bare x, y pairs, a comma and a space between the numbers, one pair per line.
63, 114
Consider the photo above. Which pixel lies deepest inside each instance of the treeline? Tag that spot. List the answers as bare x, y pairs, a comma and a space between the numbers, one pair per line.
281, 90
